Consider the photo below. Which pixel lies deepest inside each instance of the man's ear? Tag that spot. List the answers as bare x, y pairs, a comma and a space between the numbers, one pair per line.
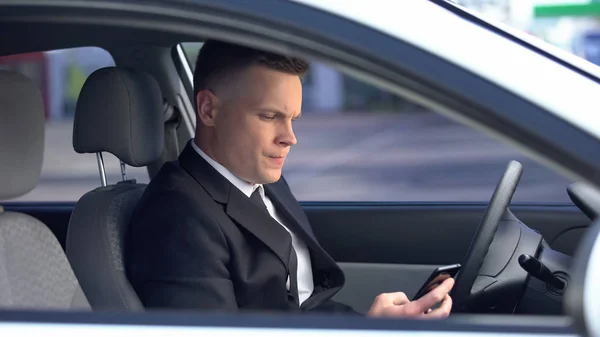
206, 103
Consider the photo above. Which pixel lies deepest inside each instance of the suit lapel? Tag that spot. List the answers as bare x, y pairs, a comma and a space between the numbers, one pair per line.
285, 203
327, 276
294, 217
260, 223
237, 205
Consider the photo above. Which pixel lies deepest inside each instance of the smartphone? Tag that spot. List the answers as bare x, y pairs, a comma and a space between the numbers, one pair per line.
436, 278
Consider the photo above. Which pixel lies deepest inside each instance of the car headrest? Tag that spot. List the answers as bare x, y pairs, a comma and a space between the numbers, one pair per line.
22, 127
120, 111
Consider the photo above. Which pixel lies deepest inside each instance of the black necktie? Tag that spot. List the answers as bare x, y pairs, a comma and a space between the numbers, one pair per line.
255, 196
293, 263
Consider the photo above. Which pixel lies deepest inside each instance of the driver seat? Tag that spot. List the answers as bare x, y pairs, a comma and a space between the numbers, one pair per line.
120, 111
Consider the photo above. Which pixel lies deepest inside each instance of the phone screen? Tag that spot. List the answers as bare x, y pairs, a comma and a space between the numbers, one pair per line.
438, 276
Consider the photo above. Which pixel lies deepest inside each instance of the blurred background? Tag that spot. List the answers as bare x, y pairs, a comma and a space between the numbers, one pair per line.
355, 142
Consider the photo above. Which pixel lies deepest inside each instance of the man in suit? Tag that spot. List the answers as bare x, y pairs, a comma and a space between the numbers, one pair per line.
219, 229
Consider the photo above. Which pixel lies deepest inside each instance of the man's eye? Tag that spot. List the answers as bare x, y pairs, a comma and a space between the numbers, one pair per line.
267, 117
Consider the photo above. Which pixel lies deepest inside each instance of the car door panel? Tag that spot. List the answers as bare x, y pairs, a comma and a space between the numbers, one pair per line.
394, 247
375, 232
364, 281
425, 233
387, 247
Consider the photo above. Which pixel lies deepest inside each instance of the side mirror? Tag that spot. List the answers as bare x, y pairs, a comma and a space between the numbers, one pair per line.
582, 297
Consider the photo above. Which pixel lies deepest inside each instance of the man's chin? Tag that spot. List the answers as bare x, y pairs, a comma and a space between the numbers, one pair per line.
272, 177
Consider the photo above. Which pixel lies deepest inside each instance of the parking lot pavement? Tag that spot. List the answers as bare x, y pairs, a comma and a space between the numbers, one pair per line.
349, 157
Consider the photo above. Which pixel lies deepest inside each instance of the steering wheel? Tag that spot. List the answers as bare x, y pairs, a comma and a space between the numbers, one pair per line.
484, 236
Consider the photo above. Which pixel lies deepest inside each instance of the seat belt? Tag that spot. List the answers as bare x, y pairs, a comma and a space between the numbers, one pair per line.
172, 121
171, 144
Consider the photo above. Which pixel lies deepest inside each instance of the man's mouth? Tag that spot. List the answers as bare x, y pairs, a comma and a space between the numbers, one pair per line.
278, 160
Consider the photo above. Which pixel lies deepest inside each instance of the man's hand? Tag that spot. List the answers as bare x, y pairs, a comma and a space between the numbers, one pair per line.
398, 305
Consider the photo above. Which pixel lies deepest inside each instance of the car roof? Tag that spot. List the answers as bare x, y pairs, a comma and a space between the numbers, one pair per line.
558, 89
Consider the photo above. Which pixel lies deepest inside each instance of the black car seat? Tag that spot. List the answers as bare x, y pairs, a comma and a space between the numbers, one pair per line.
119, 111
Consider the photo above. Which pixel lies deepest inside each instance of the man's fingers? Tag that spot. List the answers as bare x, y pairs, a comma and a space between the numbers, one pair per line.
398, 305
435, 296
391, 298
385, 301
443, 310
400, 299
446, 285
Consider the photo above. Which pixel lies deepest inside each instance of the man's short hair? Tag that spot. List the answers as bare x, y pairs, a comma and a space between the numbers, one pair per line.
217, 59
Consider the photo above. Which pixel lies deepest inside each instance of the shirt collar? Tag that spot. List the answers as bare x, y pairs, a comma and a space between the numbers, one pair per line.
244, 186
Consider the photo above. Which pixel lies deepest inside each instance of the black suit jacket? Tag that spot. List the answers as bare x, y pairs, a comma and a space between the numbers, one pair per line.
197, 242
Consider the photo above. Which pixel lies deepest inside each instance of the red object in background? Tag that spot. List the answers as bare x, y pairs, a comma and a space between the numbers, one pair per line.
34, 66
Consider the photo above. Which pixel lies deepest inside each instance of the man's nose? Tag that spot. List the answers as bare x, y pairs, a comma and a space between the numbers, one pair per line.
287, 136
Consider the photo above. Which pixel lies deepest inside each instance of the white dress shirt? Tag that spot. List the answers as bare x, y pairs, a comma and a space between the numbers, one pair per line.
304, 272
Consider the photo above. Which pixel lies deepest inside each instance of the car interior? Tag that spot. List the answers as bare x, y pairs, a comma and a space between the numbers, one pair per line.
70, 255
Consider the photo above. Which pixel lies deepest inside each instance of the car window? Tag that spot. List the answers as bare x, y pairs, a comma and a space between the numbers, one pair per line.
60, 74
360, 143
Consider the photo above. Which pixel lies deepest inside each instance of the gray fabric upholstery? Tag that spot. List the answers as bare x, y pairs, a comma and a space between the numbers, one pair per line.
22, 126
34, 271
119, 111
95, 245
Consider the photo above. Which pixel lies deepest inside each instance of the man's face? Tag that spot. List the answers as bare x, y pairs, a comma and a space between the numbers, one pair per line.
253, 123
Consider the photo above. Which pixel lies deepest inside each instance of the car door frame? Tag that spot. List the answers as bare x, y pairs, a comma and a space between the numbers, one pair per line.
376, 57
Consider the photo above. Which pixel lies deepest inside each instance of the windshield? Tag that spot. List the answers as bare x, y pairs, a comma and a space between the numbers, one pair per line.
526, 39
